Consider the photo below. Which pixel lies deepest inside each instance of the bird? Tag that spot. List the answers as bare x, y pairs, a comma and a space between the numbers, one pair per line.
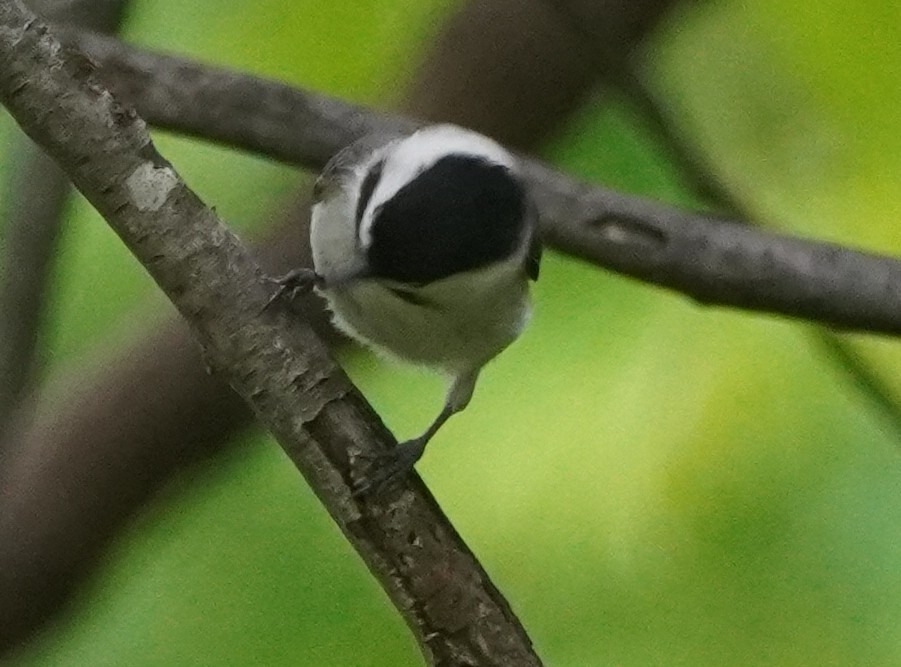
423, 247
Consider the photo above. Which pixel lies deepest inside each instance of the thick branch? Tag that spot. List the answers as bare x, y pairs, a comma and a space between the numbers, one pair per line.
721, 262
714, 261
277, 365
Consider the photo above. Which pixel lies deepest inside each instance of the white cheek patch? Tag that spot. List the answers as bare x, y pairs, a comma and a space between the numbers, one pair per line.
364, 229
365, 235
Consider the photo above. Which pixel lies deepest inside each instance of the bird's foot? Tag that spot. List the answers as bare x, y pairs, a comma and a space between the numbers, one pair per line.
386, 468
298, 281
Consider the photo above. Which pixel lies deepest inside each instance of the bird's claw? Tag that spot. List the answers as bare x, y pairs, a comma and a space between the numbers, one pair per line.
386, 468
298, 281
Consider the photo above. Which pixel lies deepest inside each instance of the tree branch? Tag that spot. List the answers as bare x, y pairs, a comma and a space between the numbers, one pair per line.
277, 365
714, 261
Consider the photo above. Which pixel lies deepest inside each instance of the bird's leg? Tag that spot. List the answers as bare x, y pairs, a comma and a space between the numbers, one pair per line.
389, 466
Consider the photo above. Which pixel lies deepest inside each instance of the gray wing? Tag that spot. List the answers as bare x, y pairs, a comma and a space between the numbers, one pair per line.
342, 165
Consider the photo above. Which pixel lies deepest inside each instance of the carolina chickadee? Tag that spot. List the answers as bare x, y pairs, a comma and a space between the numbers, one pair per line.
423, 247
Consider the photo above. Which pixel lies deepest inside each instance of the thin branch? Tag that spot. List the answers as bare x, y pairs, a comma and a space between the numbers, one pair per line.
276, 364
707, 184
714, 261
691, 166
862, 376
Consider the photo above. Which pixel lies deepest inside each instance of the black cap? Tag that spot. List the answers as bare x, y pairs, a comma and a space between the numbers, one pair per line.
462, 213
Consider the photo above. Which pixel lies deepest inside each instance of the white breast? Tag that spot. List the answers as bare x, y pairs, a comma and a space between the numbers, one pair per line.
454, 325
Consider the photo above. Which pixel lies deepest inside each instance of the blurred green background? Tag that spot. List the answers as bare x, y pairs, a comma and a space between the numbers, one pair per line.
649, 482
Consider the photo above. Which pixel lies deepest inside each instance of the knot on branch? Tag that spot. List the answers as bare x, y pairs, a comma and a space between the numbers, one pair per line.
629, 231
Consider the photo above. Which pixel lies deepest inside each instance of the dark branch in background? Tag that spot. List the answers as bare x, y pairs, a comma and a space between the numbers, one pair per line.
625, 79
707, 184
37, 195
99, 15
106, 441
277, 364
523, 100
691, 167
64, 510
714, 261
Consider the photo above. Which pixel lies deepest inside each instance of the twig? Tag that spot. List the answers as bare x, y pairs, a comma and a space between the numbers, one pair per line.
860, 373
714, 261
278, 366
708, 185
